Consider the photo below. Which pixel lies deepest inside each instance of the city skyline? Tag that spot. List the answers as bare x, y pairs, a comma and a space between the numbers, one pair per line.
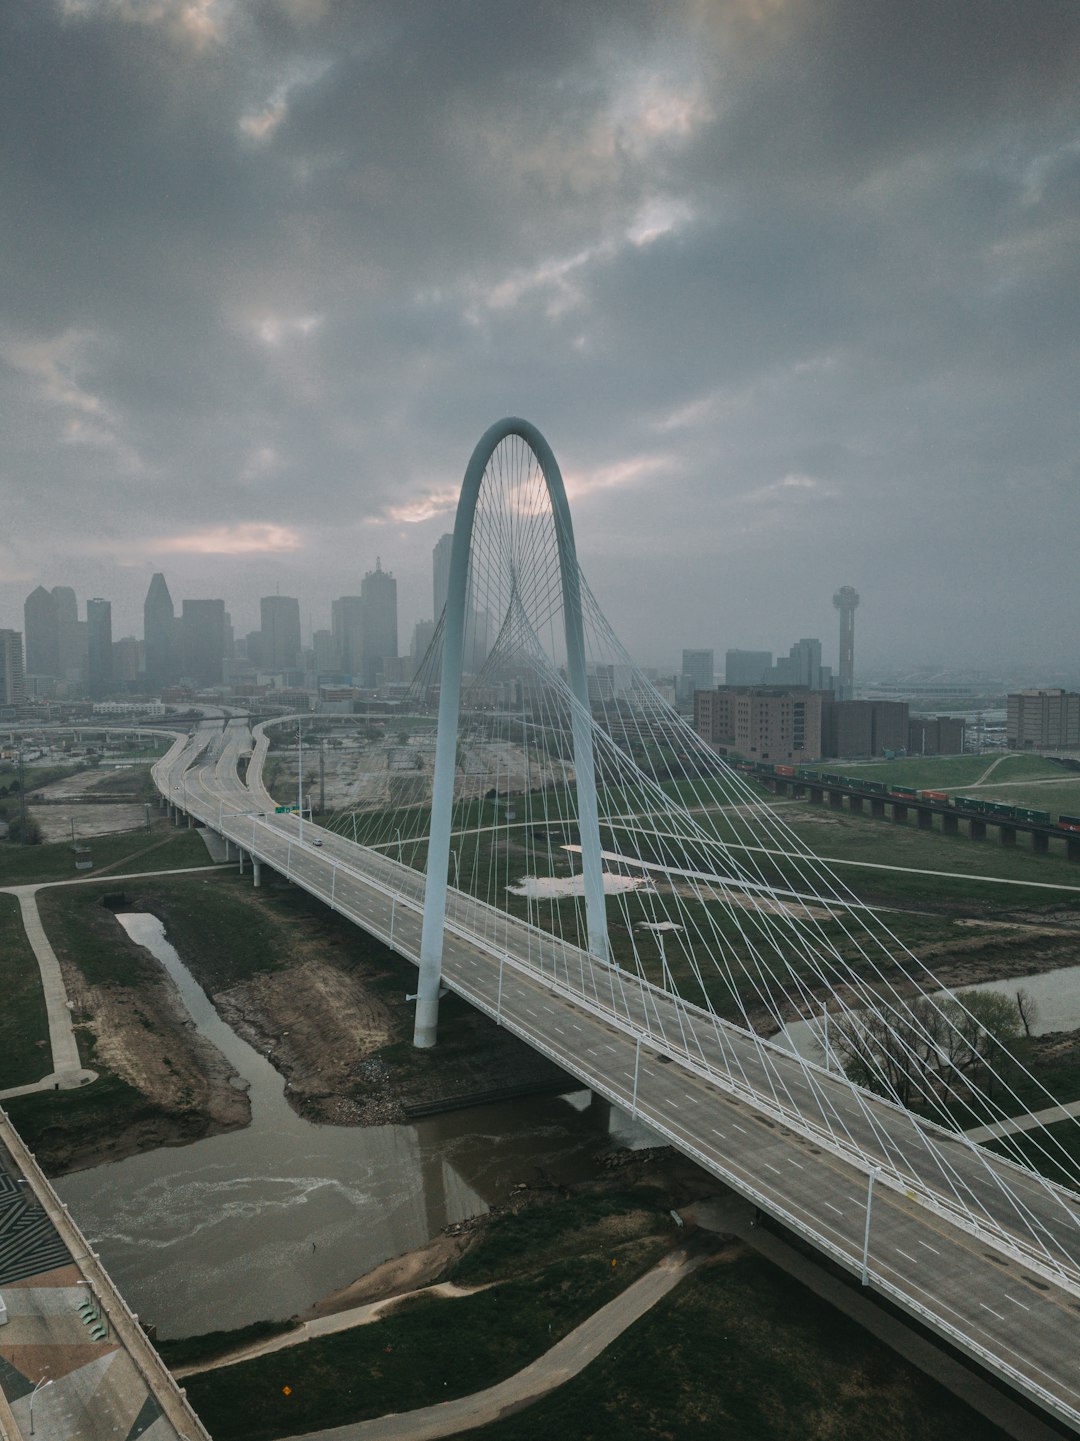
790, 288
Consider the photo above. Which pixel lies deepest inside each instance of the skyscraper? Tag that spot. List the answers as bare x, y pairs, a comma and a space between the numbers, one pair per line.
159, 635
378, 591
440, 569
12, 688
68, 635
202, 640
99, 666
42, 633
845, 600
280, 619
347, 625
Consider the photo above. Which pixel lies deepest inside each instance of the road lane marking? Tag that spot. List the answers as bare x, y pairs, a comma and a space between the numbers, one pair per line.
907, 1255
694, 1100
770, 1167
834, 1208
673, 1104
928, 1245
1015, 1301
740, 1128
718, 1133
991, 1310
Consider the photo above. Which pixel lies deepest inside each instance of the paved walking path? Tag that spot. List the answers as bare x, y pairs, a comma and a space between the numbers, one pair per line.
1028, 1122
557, 1366
67, 1069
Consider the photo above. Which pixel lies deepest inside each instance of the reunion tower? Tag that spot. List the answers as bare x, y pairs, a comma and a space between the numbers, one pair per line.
845, 600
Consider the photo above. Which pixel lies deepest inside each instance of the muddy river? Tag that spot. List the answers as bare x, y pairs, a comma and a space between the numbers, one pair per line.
263, 1222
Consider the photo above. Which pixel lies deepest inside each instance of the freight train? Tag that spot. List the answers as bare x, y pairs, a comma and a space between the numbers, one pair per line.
963, 805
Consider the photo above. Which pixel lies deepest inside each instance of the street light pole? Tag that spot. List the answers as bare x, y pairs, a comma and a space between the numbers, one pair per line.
300, 774
39, 1387
874, 1174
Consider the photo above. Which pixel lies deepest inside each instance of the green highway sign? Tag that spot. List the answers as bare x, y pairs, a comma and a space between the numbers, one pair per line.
284, 810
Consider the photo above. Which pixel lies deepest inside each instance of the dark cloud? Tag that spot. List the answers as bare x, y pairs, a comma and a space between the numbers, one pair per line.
793, 288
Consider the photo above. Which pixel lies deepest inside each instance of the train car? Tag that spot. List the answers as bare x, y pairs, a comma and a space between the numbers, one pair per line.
1034, 818
941, 797
877, 788
904, 793
809, 775
784, 770
969, 803
1069, 823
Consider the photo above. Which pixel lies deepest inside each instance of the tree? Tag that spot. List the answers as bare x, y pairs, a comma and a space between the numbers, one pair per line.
946, 1045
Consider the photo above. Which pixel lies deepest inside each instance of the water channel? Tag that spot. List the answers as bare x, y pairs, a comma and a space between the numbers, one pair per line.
260, 1223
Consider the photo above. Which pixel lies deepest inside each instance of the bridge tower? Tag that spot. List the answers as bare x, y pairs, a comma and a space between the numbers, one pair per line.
845, 600
438, 859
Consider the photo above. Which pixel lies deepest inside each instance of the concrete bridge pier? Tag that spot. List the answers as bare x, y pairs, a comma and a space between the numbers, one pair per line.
228, 847
817, 795
950, 824
976, 829
836, 800
256, 872
1072, 848
855, 803
877, 808
240, 853
1007, 835
798, 791
899, 813
1040, 844
925, 819
190, 822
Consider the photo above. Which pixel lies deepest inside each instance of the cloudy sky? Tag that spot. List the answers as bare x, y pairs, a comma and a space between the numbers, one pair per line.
791, 286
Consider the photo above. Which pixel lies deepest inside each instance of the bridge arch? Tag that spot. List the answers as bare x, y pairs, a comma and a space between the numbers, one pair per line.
438, 860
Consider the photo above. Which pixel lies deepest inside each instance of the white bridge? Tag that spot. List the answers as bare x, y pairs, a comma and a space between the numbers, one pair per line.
560, 755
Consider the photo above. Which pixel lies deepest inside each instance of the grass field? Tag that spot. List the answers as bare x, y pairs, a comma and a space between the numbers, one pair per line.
740, 1352
164, 847
943, 773
24, 1030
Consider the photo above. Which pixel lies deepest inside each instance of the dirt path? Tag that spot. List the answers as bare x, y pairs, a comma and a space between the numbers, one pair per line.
989, 771
549, 1371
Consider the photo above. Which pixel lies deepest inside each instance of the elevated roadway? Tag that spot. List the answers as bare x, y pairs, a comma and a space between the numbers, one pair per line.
975, 1247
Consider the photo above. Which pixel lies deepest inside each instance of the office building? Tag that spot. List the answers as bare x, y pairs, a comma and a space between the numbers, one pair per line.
440, 573
802, 666
423, 635
202, 641
845, 600
854, 728
99, 654
747, 667
127, 662
1042, 720
942, 735
280, 618
159, 635
347, 627
323, 652
761, 723
12, 681
70, 637
42, 632
378, 591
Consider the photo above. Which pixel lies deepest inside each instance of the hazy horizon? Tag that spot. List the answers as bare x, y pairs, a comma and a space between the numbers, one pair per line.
791, 286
